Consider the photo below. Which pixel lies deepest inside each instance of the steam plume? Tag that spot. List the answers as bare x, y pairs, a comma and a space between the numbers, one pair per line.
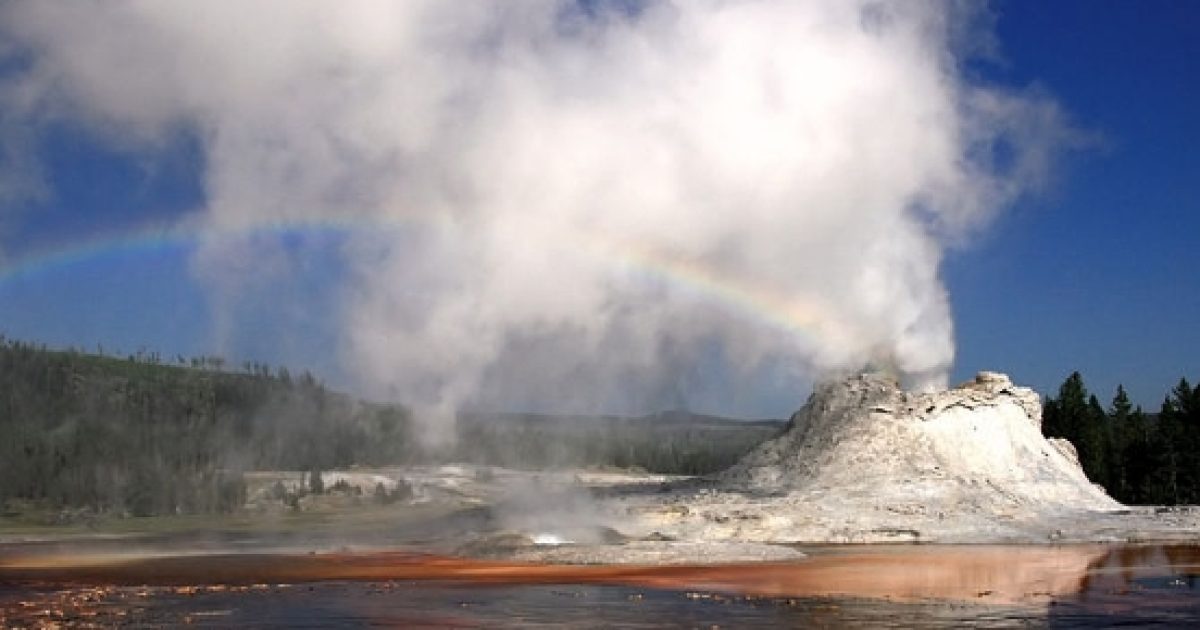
591, 204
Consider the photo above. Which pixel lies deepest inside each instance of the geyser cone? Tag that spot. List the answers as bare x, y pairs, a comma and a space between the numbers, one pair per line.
975, 448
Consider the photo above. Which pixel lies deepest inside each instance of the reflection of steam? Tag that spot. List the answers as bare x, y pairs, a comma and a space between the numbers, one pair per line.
736, 147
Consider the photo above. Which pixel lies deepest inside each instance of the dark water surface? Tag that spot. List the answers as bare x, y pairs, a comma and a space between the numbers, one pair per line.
863, 586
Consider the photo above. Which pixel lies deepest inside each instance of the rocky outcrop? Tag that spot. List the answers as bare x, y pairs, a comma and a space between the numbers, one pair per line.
975, 447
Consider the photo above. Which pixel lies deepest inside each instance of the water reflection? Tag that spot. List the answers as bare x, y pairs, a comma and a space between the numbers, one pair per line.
868, 585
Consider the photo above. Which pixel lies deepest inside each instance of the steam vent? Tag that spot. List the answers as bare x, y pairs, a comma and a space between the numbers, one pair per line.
865, 461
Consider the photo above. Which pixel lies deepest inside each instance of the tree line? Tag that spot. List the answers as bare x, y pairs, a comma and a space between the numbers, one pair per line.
1138, 457
682, 445
140, 436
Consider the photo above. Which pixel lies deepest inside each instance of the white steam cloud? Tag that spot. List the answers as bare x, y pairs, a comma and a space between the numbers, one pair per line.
589, 203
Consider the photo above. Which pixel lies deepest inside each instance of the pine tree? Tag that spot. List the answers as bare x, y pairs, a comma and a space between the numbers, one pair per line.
1094, 441
1167, 444
1140, 458
1120, 435
1068, 417
1181, 418
316, 484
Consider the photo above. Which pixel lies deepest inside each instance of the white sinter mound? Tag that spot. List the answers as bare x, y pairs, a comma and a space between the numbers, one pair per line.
865, 461
978, 446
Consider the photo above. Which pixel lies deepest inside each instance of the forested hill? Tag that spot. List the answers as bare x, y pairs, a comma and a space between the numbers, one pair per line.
102, 432
142, 436
673, 442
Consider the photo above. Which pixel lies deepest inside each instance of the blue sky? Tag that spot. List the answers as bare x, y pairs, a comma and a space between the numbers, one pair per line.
1097, 274
1100, 273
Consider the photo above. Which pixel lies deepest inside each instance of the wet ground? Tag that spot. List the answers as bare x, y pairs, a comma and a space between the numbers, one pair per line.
864, 586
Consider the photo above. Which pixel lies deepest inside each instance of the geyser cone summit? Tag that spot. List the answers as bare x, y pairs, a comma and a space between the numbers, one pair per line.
977, 448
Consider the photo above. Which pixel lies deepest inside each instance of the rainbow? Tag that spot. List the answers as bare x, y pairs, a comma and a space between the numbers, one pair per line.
33, 264
807, 319
152, 239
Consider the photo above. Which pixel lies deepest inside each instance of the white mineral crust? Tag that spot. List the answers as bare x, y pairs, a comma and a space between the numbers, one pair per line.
865, 461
